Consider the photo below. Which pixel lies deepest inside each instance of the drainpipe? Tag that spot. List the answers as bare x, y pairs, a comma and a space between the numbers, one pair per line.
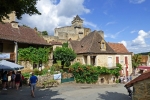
16, 52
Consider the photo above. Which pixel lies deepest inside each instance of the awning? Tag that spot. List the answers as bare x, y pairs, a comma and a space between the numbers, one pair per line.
143, 67
6, 65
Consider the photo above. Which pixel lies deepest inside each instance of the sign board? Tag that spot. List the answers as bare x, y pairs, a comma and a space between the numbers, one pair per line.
4, 55
57, 76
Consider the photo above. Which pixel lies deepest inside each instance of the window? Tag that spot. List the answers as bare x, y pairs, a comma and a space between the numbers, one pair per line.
102, 45
80, 32
110, 62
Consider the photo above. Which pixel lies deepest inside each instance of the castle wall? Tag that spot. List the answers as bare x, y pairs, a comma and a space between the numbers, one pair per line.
50, 38
67, 29
12, 17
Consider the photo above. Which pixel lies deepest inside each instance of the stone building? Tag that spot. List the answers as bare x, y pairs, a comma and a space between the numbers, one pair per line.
94, 50
74, 32
14, 37
141, 87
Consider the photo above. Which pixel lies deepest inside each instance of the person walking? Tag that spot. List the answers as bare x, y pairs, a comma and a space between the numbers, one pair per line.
33, 80
129, 91
4, 80
13, 76
22, 78
17, 80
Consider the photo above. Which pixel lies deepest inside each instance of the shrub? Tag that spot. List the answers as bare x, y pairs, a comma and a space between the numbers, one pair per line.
37, 72
117, 81
84, 73
44, 71
26, 75
89, 74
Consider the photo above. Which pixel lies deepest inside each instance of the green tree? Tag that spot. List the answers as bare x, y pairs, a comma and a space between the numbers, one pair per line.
34, 55
136, 60
44, 33
65, 44
65, 55
19, 6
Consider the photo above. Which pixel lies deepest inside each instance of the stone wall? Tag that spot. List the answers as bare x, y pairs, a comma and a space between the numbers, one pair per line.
67, 29
106, 79
28, 65
45, 78
102, 60
50, 38
12, 17
73, 36
141, 90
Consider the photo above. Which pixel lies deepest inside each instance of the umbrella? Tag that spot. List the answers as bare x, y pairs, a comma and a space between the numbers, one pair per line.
9, 65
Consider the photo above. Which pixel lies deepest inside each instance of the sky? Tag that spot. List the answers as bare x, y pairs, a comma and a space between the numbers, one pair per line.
123, 21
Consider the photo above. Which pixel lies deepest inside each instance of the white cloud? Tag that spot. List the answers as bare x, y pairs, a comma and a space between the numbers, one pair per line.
124, 43
55, 13
140, 40
133, 31
90, 24
136, 1
109, 23
139, 44
116, 34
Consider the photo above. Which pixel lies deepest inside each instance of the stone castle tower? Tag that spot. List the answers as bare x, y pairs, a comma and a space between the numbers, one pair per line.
77, 22
74, 32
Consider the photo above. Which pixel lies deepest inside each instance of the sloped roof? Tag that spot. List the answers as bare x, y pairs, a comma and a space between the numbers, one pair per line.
21, 34
142, 77
118, 47
90, 44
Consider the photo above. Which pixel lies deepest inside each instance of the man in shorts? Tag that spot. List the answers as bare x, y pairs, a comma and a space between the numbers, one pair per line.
33, 80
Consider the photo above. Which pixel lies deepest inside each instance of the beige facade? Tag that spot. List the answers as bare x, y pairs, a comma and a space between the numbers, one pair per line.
12, 17
69, 32
108, 61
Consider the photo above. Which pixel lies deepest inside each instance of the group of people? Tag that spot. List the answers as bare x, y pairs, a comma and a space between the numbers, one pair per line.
125, 79
10, 79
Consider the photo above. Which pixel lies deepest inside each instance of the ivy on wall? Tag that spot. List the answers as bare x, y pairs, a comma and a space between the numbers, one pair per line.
90, 74
34, 55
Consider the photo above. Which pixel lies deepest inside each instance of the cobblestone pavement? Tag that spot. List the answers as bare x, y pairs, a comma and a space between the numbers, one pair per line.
69, 91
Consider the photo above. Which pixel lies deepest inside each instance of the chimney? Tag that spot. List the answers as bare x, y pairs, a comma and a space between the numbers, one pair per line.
14, 24
101, 33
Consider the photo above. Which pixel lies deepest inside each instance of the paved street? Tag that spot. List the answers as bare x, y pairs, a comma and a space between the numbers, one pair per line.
69, 91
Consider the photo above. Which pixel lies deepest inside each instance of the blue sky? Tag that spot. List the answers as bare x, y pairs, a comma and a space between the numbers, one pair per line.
123, 21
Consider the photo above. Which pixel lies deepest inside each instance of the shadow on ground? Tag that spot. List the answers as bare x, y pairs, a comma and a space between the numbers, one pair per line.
113, 96
24, 94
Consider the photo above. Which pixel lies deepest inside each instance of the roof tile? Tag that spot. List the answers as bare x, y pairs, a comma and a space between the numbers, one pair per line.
118, 47
21, 34
90, 44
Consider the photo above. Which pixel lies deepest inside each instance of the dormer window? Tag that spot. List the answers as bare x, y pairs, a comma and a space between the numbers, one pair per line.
103, 45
